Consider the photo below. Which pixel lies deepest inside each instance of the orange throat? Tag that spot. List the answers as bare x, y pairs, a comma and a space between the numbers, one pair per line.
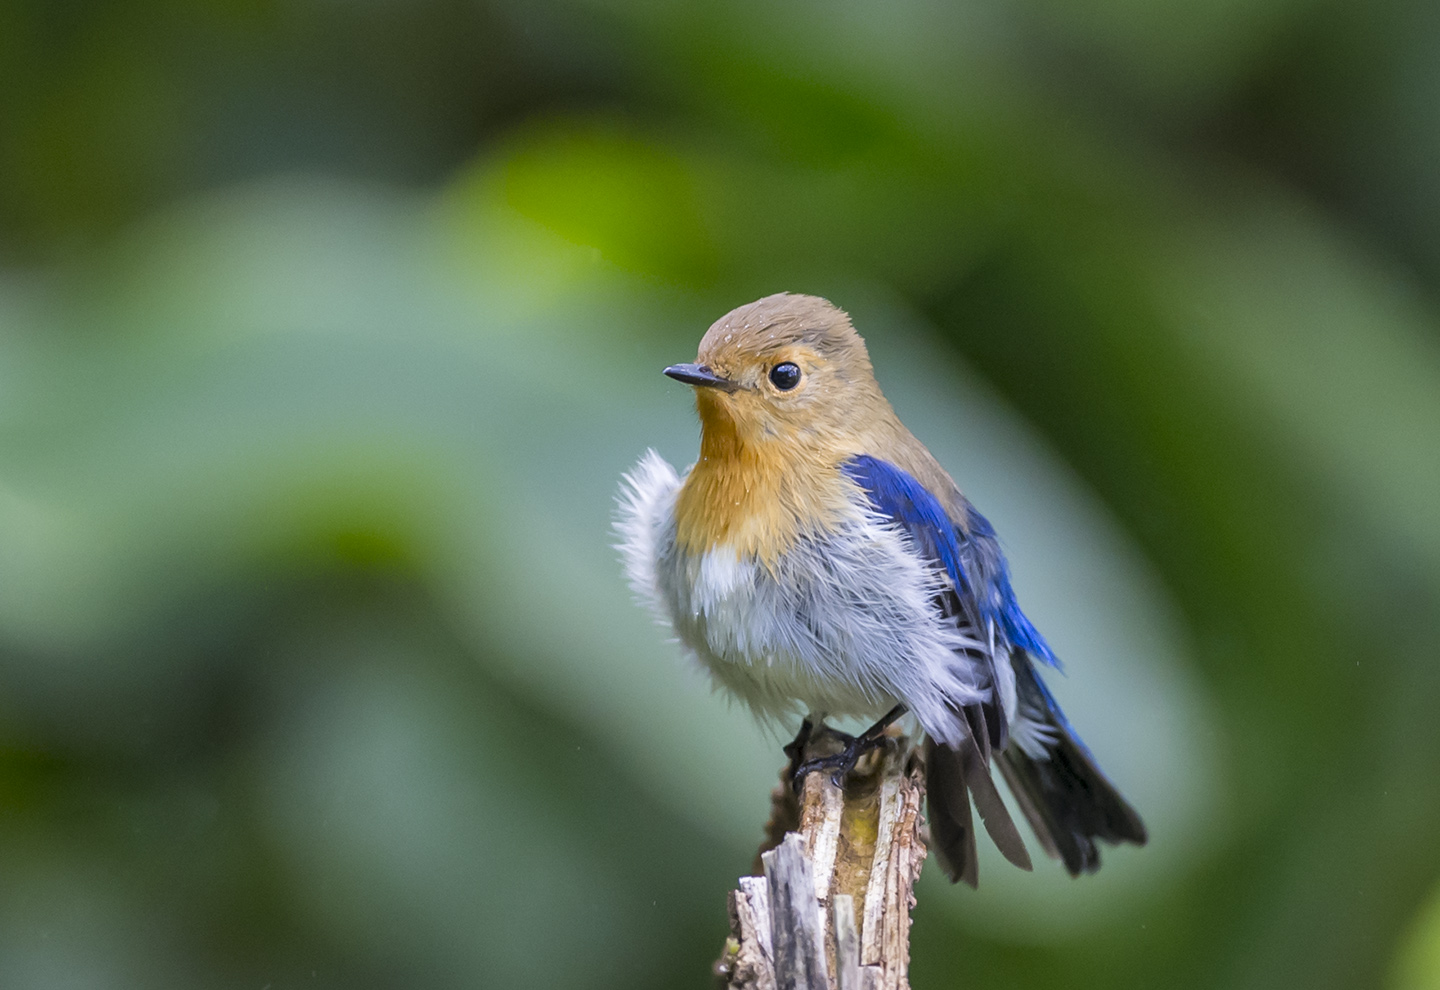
756, 498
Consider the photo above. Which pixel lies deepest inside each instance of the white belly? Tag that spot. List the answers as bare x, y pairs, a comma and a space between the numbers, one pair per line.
842, 624
757, 644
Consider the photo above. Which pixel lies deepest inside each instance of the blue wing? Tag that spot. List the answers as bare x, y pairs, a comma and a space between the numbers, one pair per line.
998, 597
1066, 798
954, 773
970, 556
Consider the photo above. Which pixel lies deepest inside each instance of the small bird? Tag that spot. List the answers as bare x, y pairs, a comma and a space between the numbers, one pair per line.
818, 560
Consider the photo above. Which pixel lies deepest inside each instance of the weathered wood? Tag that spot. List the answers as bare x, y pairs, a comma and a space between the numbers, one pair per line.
847, 944
798, 930
839, 871
757, 892
748, 961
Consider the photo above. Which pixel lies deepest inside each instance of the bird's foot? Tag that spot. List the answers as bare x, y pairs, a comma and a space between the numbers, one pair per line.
839, 764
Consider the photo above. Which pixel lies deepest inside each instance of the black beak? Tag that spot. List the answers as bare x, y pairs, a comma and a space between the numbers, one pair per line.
699, 376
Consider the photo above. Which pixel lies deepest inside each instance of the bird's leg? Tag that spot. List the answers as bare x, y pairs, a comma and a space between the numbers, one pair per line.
795, 749
844, 761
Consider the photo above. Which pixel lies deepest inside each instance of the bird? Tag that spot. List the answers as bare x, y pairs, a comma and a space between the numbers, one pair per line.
816, 559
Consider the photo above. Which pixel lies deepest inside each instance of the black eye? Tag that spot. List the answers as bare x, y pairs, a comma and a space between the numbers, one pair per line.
785, 376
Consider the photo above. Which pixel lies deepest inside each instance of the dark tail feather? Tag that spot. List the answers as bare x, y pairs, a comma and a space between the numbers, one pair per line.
952, 831
1063, 794
975, 765
953, 776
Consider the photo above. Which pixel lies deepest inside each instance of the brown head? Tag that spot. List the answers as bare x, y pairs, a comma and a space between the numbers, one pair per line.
788, 369
786, 395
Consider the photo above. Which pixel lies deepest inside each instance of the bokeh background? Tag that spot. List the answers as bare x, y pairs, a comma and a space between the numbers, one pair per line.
327, 330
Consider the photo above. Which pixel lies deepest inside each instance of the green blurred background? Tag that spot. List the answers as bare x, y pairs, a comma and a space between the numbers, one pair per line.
327, 330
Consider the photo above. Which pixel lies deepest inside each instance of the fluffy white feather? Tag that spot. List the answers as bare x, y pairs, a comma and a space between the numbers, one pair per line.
843, 624
646, 503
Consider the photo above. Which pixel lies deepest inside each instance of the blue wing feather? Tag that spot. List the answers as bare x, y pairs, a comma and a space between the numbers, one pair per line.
972, 559
896, 494
1003, 606
1066, 798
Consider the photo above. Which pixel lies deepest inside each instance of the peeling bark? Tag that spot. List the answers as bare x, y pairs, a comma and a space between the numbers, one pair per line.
829, 906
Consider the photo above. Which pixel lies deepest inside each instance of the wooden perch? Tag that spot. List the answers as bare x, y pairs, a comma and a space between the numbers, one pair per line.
829, 908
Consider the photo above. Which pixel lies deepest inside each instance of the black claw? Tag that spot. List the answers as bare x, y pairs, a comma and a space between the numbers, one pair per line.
842, 762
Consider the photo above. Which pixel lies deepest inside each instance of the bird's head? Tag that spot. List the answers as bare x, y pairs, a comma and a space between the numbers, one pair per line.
783, 369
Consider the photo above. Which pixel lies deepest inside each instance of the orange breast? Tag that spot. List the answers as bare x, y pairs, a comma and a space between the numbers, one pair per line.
758, 497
